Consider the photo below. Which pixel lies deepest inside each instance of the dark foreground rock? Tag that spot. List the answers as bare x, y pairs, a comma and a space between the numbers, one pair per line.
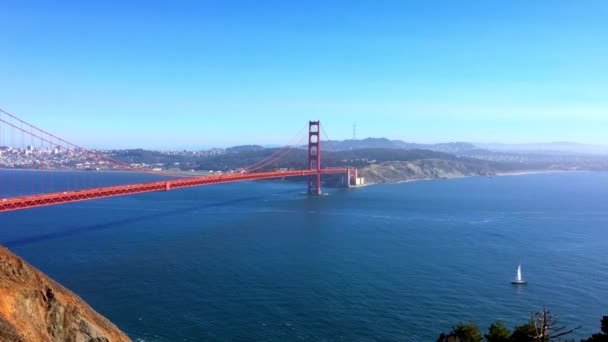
35, 308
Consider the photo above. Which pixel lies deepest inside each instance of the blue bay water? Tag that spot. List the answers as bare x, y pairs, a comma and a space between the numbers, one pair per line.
261, 262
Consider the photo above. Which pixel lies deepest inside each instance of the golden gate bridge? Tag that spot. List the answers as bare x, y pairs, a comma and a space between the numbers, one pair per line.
24, 145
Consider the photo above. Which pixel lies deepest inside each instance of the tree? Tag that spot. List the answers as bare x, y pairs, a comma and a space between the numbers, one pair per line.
463, 332
447, 338
542, 327
602, 337
498, 333
524, 333
546, 326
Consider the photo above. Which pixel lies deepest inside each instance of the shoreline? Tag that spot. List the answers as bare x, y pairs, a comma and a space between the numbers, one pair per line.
533, 172
498, 174
202, 173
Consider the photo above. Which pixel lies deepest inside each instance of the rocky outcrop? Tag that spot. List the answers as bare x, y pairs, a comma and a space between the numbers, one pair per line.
400, 171
35, 308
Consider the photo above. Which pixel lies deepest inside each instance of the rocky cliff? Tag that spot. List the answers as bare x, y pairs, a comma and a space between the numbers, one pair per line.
35, 308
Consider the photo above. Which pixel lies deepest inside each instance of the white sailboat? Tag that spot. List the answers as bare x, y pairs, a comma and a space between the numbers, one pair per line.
518, 280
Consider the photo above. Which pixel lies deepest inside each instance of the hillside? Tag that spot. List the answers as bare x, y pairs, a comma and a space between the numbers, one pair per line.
398, 171
395, 161
384, 143
35, 308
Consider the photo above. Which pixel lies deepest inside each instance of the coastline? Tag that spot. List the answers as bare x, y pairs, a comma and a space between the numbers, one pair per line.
498, 174
532, 172
203, 173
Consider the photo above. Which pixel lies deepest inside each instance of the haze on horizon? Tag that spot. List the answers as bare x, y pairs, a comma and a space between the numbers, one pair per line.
204, 74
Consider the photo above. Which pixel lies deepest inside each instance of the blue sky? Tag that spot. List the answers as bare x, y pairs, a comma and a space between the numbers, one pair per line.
214, 73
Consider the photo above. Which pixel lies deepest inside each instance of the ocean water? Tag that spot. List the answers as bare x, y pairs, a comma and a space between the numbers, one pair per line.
260, 261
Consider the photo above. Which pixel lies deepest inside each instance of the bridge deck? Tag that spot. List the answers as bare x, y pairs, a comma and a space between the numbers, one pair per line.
26, 202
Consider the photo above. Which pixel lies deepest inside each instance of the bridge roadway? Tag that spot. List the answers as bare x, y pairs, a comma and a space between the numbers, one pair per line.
26, 202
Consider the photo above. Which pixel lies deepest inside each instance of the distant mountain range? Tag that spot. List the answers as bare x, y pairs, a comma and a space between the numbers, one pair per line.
241, 148
344, 145
466, 148
384, 160
552, 147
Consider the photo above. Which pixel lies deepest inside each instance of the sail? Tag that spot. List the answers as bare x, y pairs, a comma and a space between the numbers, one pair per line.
519, 273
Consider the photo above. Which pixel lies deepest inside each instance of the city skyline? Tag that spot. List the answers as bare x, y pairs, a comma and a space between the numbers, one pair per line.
204, 75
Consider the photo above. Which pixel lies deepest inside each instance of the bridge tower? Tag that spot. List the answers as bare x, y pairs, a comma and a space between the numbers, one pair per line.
314, 157
351, 176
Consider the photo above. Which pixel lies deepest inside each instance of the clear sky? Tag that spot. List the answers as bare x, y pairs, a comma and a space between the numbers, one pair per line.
195, 74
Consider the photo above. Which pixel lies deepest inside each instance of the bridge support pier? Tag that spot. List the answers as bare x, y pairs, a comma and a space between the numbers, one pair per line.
314, 157
351, 177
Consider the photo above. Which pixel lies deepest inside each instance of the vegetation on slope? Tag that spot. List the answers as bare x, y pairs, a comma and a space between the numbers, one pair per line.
542, 327
377, 165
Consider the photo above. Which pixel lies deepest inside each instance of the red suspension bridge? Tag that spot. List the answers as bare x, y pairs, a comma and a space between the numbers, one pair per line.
25, 146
